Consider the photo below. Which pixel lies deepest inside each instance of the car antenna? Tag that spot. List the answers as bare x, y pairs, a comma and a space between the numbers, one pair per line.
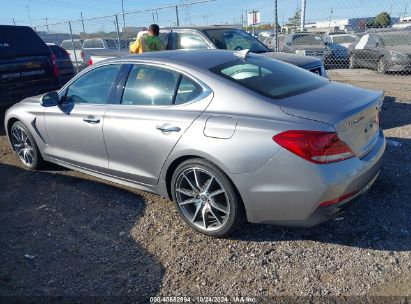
242, 54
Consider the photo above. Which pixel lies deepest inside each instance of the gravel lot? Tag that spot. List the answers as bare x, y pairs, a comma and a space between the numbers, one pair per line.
68, 234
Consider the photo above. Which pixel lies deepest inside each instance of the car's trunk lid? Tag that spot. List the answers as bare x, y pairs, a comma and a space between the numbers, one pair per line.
353, 112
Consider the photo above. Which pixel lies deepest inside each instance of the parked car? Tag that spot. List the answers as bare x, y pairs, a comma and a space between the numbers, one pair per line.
228, 135
383, 51
75, 50
340, 46
103, 47
64, 64
306, 44
269, 41
27, 66
217, 37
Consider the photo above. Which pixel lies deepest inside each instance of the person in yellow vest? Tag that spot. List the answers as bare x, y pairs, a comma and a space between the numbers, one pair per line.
148, 42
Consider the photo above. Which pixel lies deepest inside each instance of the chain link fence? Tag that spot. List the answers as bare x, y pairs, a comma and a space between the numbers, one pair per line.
352, 42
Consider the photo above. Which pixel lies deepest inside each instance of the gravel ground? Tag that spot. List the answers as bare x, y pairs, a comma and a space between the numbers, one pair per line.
68, 234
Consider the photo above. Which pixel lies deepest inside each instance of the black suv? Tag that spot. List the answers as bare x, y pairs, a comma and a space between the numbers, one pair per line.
27, 66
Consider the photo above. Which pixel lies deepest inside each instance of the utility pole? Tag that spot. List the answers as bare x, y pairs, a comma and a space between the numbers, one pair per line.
405, 11
302, 15
82, 22
47, 25
275, 25
14, 22
124, 18
28, 11
178, 20
331, 14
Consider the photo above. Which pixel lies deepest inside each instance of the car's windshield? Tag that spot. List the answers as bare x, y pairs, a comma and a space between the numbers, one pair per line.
343, 39
396, 39
232, 39
307, 40
269, 77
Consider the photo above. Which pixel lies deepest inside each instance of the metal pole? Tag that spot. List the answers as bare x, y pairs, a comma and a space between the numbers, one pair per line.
28, 11
74, 48
82, 22
157, 16
118, 34
124, 18
329, 24
302, 15
154, 20
14, 22
275, 26
47, 26
178, 20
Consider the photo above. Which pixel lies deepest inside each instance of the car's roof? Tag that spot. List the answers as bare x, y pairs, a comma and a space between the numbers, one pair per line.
204, 59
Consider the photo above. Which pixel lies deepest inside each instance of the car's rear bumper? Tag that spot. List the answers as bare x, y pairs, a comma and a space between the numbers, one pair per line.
288, 190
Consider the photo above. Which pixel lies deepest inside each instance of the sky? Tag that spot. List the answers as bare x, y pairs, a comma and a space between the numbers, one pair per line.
50, 12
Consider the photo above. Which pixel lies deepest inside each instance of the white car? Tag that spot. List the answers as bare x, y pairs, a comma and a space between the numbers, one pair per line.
76, 52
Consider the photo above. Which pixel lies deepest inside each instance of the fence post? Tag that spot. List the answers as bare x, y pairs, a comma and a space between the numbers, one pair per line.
275, 26
302, 16
118, 34
178, 20
74, 48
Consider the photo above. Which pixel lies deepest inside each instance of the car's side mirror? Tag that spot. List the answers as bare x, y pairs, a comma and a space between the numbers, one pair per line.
50, 99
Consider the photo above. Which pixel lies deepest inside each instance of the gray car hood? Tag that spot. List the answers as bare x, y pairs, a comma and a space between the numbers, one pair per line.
301, 61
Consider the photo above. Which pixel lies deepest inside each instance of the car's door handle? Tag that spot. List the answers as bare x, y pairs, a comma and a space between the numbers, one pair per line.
168, 129
91, 120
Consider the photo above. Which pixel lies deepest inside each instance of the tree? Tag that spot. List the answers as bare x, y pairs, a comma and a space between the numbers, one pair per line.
294, 22
382, 20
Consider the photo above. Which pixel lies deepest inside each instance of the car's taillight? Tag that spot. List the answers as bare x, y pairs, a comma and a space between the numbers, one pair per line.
55, 68
90, 61
315, 146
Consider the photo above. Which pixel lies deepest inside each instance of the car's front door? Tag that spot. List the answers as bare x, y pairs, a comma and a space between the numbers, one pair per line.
156, 108
75, 127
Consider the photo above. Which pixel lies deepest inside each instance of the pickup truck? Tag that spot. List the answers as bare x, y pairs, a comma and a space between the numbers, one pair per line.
27, 65
106, 48
217, 37
76, 52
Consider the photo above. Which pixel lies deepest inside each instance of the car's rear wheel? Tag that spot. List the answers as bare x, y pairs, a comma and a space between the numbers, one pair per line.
206, 199
25, 147
351, 62
382, 66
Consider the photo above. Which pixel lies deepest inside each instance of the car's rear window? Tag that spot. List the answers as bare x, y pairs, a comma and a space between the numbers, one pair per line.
21, 41
68, 45
93, 44
269, 77
58, 51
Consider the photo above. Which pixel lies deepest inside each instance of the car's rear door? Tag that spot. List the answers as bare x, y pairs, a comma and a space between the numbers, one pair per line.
153, 112
75, 128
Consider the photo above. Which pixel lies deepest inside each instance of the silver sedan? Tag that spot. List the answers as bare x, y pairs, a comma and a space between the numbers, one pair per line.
228, 136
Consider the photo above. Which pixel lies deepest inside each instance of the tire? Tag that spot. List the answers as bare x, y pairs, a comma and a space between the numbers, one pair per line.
25, 147
351, 62
196, 198
382, 66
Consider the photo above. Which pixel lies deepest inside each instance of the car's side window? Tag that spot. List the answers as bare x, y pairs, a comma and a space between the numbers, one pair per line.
93, 87
190, 41
187, 91
150, 86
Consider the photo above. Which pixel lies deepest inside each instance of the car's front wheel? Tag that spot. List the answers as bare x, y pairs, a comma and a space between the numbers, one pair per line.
206, 199
25, 147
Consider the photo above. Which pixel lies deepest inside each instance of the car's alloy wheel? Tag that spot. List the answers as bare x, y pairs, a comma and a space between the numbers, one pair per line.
382, 66
206, 199
24, 145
